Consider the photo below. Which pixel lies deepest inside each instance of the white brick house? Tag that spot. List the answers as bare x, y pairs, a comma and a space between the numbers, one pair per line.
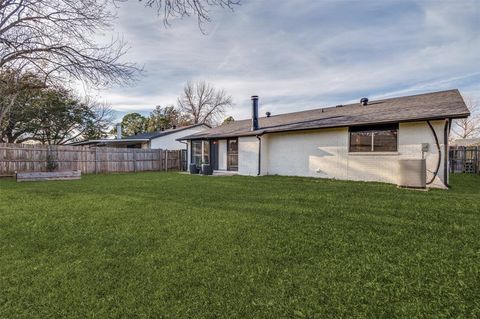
360, 142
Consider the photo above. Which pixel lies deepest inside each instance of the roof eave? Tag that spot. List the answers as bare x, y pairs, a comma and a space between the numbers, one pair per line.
266, 130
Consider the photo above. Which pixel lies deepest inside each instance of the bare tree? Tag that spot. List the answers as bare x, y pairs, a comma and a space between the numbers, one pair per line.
186, 8
202, 103
468, 127
56, 38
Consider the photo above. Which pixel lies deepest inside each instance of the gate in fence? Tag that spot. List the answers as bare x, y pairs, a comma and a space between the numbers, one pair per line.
34, 158
464, 159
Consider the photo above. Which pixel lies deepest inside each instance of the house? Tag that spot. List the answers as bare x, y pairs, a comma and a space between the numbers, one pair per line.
361, 141
166, 139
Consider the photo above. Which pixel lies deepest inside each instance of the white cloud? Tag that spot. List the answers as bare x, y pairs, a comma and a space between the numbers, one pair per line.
303, 54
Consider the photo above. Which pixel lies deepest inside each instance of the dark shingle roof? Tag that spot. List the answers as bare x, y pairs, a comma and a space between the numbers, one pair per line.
429, 106
152, 135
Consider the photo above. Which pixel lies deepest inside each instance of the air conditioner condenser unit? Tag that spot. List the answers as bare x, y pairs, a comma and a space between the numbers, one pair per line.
412, 173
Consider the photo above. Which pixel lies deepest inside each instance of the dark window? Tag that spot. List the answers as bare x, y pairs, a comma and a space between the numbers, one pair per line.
206, 152
378, 138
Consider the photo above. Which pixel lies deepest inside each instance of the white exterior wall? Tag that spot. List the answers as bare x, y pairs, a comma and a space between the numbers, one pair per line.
410, 147
222, 154
324, 153
169, 141
309, 153
248, 155
265, 154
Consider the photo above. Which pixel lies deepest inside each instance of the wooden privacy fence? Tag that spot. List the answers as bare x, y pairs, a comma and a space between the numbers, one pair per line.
464, 159
33, 158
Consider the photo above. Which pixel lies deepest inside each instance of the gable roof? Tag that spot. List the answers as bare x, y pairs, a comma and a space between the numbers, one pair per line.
421, 107
152, 135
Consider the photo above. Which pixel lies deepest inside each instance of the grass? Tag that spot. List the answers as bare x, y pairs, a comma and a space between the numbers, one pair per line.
166, 245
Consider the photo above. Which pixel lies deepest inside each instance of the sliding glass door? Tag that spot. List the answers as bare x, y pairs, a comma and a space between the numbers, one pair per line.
200, 152
196, 152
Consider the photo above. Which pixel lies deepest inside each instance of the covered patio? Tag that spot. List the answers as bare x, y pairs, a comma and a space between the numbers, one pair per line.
220, 154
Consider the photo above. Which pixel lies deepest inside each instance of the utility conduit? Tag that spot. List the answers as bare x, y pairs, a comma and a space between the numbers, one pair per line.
439, 153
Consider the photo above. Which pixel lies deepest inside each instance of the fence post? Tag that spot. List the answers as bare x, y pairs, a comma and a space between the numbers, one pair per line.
96, 160
179, 156
475, 159
160, 157
166, 160
135, 160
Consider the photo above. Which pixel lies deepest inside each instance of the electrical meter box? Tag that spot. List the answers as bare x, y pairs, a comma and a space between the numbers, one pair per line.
425, 147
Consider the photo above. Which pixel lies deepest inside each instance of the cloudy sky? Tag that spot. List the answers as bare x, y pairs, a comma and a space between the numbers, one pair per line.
303, 54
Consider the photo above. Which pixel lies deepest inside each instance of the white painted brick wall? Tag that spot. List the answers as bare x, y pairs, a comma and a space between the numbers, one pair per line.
248, 155
222, 154
324, 153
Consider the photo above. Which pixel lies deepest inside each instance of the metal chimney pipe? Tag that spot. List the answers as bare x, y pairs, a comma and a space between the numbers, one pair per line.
254, 112
119, 131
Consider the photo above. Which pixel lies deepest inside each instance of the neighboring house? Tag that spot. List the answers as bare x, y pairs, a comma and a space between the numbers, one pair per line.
167, 139
361, 141
466, 142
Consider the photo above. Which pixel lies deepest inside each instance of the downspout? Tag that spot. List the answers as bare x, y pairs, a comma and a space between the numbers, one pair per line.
446, 132
259, 137
439, 153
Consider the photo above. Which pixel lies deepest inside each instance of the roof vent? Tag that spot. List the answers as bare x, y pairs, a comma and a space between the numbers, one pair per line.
363, 101
268, 114
339, 105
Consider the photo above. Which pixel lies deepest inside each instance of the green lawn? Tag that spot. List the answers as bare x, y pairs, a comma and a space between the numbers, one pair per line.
167, 245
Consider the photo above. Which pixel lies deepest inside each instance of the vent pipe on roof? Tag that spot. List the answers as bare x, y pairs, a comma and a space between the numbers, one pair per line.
363, 101
119, 131
254, 112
